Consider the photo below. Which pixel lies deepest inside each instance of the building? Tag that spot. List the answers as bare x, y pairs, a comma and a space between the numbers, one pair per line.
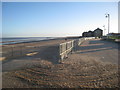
90, 34
84, 34
96, 33
114, 35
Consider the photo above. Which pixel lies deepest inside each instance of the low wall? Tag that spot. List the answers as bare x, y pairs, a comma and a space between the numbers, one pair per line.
66, 48
71, 46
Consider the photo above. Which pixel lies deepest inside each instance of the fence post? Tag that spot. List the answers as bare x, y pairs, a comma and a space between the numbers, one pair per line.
12, 50
71, 46
68, 47
21, 50
66, 50
60, 50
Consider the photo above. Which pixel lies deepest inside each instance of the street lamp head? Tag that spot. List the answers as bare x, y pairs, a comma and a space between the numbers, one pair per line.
107, 15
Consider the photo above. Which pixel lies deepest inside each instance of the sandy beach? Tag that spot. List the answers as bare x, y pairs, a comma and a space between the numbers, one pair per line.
30, 48
79, 70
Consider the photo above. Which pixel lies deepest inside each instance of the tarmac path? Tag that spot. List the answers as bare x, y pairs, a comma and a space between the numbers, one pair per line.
106, 51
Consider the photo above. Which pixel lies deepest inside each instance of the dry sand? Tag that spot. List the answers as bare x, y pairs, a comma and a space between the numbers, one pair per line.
76, 71
33, 53
23, 49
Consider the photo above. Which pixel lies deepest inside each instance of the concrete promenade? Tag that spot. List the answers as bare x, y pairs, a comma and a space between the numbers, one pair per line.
106, 51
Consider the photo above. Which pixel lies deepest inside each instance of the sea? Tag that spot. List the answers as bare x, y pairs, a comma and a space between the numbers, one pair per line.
14, 40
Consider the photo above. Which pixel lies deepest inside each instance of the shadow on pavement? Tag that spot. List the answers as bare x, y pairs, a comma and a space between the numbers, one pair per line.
103, 50
97, 45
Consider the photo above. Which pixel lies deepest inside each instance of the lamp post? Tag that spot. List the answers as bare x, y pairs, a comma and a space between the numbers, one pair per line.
108, 16
104, 29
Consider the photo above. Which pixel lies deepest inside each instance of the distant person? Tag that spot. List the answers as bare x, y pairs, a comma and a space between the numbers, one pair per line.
65, 39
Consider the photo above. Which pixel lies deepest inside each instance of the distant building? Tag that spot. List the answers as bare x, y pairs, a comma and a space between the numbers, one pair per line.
84, 34
113, 34
90, 34
96, 33
117, 35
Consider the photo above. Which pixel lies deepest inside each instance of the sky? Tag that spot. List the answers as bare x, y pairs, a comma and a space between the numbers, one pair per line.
56, 19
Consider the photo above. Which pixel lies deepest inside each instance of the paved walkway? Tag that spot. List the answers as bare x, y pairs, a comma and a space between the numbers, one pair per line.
106, 51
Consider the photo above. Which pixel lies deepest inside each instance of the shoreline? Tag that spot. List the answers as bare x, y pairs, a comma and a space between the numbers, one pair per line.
22, 41
28, 42
47, 39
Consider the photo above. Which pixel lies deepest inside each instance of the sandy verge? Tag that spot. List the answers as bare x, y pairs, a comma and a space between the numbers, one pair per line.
73, 73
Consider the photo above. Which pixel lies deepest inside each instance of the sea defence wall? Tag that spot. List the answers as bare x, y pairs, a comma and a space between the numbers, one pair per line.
71, 46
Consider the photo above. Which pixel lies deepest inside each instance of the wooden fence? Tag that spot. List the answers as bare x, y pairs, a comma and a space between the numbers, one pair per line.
66, 48
71, 46
87, 38
14, 51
